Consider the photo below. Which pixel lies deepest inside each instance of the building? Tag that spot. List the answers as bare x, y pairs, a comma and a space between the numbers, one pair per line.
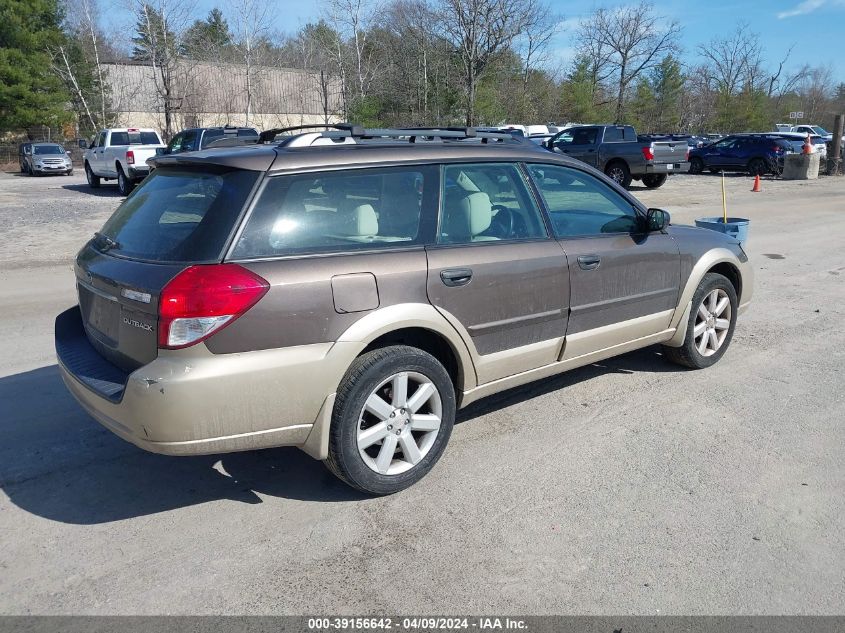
212, 94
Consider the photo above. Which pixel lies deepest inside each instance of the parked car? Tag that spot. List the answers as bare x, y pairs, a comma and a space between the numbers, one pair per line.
753, 153
199, 138
24, 152
347, 299
797, 140
121, 153
38, 159
616, 150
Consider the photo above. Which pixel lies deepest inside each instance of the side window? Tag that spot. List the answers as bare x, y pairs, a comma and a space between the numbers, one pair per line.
339, 211
612, 134
487, 202
189, 141
101, 140
176, 143
581, 205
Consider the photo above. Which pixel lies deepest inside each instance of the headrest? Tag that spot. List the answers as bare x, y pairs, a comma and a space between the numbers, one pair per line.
360, 220
469, 216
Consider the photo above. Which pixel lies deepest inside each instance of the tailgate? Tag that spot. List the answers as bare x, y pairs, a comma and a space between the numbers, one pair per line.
143, 152
118, 302
669, 152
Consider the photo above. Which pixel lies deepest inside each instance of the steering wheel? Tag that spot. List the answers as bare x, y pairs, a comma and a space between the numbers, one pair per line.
504, 221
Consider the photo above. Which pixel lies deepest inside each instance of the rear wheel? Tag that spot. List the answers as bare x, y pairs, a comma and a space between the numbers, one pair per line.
619, 173
653, 181
124, 184
757, 167
710, 326
392, 418
696, 165
93, 180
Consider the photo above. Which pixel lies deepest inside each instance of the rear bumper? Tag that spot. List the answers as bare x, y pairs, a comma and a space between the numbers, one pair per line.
668, 168
191, 402
138, 172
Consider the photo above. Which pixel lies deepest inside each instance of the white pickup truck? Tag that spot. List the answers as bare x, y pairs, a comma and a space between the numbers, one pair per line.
121, 153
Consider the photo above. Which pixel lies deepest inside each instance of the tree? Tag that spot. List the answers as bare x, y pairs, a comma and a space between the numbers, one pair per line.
480, 30
30, 94
627, 41
657, 104
159, 27
584, 97
209, 39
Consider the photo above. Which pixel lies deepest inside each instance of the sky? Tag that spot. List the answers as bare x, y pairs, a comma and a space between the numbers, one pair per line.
808, 25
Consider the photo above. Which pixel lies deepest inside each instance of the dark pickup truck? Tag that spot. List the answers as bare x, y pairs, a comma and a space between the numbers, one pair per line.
618, 152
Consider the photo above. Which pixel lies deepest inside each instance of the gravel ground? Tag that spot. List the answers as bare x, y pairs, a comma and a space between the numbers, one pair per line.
626, 487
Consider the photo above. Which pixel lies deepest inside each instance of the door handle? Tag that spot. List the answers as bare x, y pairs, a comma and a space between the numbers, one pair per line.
456, 276
589, 262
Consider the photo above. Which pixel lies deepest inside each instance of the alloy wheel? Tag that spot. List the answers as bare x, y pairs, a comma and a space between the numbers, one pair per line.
399, 423
617, 174
712, 322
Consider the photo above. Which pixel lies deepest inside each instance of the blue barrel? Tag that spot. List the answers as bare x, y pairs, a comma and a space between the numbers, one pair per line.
737, 228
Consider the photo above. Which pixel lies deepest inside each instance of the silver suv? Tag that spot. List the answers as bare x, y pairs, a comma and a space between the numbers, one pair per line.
346, 291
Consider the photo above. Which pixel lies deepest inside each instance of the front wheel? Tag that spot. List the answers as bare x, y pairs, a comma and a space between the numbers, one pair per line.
711, 324
653, 181
392, 419
619, 173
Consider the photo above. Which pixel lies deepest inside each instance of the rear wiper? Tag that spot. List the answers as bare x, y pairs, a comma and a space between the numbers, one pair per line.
108, 242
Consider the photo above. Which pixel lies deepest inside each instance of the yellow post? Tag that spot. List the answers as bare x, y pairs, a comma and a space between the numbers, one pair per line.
724, 200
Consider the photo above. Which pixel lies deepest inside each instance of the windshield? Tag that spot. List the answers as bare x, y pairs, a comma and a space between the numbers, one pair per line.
819, 130
178, 216
47, 150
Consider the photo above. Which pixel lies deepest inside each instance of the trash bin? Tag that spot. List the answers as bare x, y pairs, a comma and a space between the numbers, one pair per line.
737, 228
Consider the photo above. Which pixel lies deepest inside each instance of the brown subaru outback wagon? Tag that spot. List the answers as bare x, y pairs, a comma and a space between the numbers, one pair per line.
345, 291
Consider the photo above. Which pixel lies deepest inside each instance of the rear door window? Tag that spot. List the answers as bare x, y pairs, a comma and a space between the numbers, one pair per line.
340, 211
179, 215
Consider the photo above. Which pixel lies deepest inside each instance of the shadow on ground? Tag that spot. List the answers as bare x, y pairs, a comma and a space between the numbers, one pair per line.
58, 463
105, 190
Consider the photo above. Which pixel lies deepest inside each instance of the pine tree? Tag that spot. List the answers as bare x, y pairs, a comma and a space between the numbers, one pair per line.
30, 94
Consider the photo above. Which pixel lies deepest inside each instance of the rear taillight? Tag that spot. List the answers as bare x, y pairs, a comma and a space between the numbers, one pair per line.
648, 152
686, 158
201, 300
130, 157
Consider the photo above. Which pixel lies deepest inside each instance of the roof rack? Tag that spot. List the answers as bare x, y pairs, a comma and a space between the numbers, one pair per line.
424, 134
358, 133
267, 136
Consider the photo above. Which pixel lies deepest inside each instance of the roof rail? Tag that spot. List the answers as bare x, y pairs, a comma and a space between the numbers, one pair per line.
413, 134
267, 136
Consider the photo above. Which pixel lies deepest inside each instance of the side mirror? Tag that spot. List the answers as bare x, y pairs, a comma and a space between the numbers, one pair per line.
82, 143
161, 151
657, 219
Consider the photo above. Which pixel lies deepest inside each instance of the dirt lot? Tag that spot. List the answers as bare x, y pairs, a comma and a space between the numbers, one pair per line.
626, 487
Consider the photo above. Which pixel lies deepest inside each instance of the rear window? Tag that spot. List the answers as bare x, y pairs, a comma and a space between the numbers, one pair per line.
179, 215
134, 138
338, 211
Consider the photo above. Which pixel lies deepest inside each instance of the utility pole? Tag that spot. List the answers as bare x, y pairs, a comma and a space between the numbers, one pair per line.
834, 165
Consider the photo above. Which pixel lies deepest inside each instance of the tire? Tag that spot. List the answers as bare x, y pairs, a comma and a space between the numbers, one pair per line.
654, 181
93, 181
618, 172
757, 167
69, 172
372, 378
711, 322
124, 184
696, 165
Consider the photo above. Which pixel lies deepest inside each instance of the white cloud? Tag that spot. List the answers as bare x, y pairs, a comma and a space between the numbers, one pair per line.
805, 7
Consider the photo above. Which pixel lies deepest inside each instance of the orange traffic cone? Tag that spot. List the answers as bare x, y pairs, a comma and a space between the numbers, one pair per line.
757, 187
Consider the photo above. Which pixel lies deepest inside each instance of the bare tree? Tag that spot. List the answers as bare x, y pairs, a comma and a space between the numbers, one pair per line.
627, 41
733, 62
160, 25
480, 30
251, 34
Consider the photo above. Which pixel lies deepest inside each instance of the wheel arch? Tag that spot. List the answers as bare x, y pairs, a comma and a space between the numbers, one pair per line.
717, 260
